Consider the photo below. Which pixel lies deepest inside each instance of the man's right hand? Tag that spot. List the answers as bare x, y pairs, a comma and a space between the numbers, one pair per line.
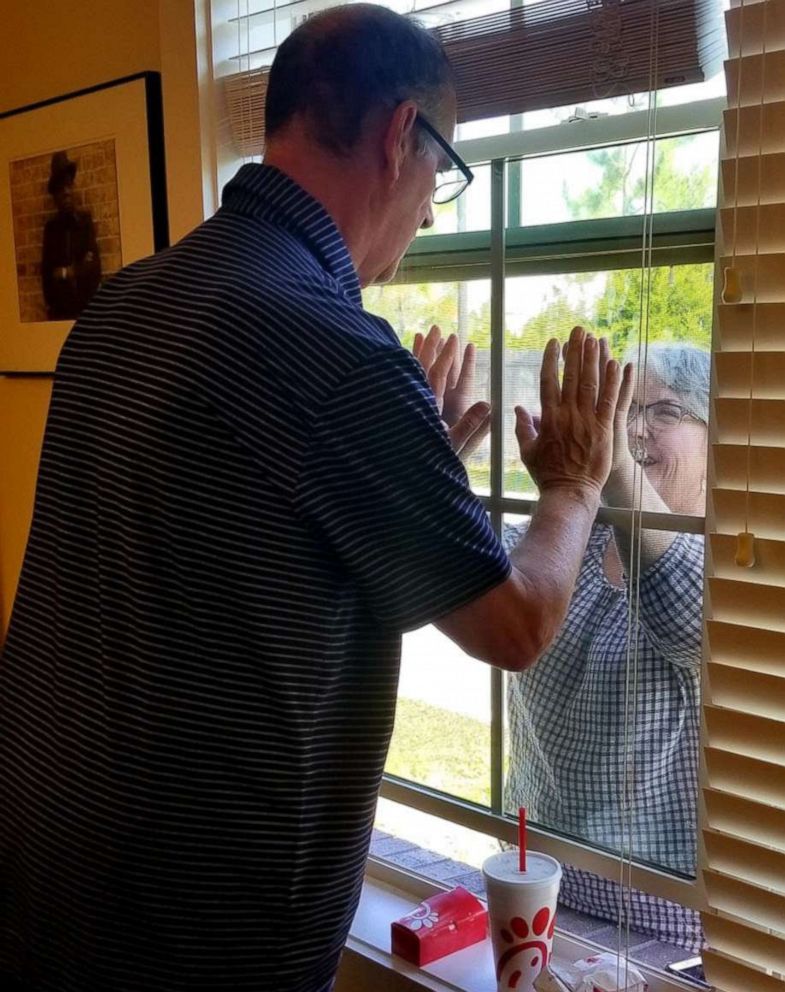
571, 447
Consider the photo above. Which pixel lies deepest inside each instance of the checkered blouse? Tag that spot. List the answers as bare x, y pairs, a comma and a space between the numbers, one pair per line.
599, 715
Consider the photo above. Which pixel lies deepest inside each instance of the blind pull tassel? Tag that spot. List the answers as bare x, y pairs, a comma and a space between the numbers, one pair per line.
745, 549
731, 289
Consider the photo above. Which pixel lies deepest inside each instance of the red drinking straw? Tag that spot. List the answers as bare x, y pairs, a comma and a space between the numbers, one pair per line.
522, 838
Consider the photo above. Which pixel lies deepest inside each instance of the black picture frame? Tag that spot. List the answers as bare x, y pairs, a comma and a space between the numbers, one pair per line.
119, 123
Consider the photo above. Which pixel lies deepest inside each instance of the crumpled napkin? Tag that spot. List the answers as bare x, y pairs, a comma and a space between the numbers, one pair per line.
604, 972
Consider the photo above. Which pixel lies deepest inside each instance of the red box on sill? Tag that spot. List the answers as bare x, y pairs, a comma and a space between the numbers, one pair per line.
445, 923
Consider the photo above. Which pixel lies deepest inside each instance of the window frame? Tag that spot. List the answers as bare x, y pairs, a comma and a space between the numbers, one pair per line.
686, 236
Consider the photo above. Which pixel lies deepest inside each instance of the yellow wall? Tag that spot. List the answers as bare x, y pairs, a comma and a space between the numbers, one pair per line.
49, 48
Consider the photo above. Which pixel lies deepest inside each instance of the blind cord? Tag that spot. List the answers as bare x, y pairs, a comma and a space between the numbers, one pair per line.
634, 563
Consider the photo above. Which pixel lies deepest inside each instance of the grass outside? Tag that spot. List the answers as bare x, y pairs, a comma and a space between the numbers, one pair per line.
517, 480
442, 749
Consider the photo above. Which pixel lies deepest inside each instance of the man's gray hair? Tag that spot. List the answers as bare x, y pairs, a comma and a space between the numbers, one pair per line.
681, 367
344, 63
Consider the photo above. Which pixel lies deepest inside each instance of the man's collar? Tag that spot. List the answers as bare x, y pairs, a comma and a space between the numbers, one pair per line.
267, 193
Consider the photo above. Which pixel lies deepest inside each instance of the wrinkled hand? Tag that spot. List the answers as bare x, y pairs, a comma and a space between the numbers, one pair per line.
451, 377
572, 446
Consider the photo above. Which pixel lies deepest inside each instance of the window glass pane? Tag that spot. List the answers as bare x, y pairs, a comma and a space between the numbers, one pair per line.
603, 731
668, 431
463, 308
471, 211
611, 182
430, 846
442, 725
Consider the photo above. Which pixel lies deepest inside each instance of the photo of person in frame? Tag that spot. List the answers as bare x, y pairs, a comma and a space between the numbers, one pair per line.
70, 261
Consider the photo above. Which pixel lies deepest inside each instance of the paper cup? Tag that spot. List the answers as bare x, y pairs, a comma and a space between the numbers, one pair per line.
522, 915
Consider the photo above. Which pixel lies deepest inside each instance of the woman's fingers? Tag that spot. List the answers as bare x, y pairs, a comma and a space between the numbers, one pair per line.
471, 429
439, 371
466, 372
626, 392
430, 347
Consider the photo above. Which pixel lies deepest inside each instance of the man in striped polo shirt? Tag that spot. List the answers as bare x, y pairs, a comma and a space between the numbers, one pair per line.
245, 497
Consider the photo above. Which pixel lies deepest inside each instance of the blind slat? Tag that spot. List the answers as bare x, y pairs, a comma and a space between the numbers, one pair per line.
754, 228
750, 778
762, 276
733, 976
761, 867
733, 374
747, 820
750, 139
746, 736
760, 421
750, 19
763, 466
738, 941
731, 644
736, 321
756, 70
748, 692
745, 602
759, 177
769, 567
762, 513
748, 902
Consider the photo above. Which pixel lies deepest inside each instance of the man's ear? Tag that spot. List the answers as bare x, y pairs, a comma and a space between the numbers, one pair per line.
397, 139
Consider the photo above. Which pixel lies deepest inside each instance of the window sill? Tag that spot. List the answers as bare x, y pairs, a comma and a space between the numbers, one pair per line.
469, 970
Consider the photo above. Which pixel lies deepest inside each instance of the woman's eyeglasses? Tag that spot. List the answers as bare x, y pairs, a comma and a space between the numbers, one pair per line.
452, 182
662, 415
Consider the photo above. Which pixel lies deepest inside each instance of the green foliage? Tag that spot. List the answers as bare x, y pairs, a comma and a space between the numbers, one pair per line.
622, 188
413, 307
676, 304
442, 749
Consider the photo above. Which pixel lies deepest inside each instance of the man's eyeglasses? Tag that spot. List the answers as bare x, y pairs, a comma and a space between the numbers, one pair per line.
662, 415
452, 182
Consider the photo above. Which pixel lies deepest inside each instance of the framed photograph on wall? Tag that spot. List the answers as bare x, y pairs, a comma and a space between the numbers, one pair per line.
82, 193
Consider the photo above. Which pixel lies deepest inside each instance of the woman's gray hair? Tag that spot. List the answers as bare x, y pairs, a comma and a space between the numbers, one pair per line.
681, 367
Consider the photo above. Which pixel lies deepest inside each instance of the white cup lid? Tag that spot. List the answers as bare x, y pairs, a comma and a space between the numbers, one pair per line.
503, 867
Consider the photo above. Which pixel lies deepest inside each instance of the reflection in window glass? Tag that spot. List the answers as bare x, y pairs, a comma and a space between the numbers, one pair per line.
442, 724
611, 182
603, 731
463, 308
669, 412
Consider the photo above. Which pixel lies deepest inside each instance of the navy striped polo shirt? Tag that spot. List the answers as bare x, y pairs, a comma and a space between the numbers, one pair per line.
245, 496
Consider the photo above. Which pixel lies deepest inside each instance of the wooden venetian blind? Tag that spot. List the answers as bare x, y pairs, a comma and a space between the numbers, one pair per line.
744, 693
561, 52
552, 53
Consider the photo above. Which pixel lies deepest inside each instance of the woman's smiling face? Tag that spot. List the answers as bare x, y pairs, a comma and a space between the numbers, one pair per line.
670, 443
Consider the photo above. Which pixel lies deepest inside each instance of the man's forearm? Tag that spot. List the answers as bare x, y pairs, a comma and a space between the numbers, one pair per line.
549, 555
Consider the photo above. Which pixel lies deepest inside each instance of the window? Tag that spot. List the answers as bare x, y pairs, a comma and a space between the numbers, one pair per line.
572, 242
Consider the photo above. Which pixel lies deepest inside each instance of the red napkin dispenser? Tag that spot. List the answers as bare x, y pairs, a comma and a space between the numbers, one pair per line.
444, 923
